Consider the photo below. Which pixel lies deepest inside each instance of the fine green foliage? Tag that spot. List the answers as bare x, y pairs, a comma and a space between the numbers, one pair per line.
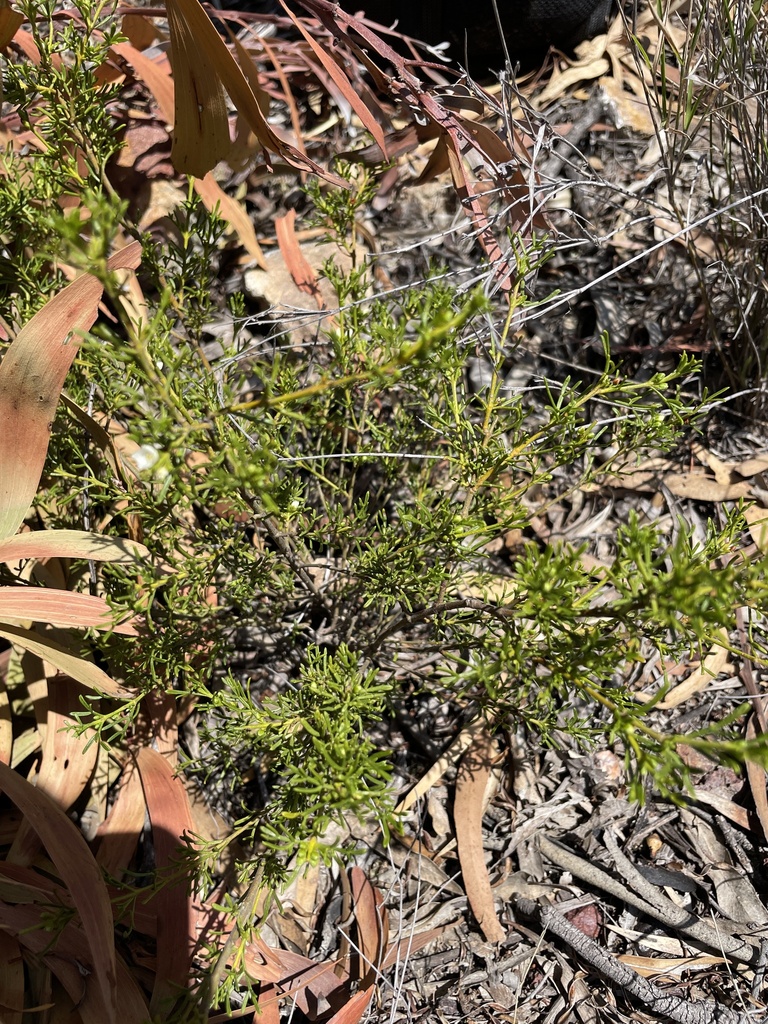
328, 522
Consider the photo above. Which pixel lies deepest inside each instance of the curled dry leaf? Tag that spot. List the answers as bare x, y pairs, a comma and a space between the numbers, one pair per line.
471, 781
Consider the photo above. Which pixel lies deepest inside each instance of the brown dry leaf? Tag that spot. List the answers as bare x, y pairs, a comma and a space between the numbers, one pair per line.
296, 263
82, 877
11, 980
717, 661
353, 1010
342, 83
204, 68
139, 30
471, 781
751, 467
68, 957
591, 66
411, 944
213, 197
629, 110
372, 923
71, 544
200, 121
153, 74
700, 486
65, 660
59, 608
294, 976
733, 812
171, 820
10, 22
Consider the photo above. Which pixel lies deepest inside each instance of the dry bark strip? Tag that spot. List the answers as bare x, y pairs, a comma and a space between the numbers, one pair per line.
659, 1002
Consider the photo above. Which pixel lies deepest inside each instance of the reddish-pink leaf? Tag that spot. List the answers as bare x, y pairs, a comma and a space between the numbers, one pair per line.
31, 378
353, 1010
297, 264
81, 875
68, 957
156, 78
119, 834
71, 544
171, 819
59, 608
66, 766
343, 84
203, 68
372, 925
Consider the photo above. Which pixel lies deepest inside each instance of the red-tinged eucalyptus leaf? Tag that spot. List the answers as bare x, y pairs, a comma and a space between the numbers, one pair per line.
411, 944
297, 264
66, 767
65, 660
59, 608
127, 258
372, 925
353, 1010
31, 378
268, 1010
68, 957
471, 780
119, 833
11, 980
296, 977
72, 544
171, 819
80, 873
